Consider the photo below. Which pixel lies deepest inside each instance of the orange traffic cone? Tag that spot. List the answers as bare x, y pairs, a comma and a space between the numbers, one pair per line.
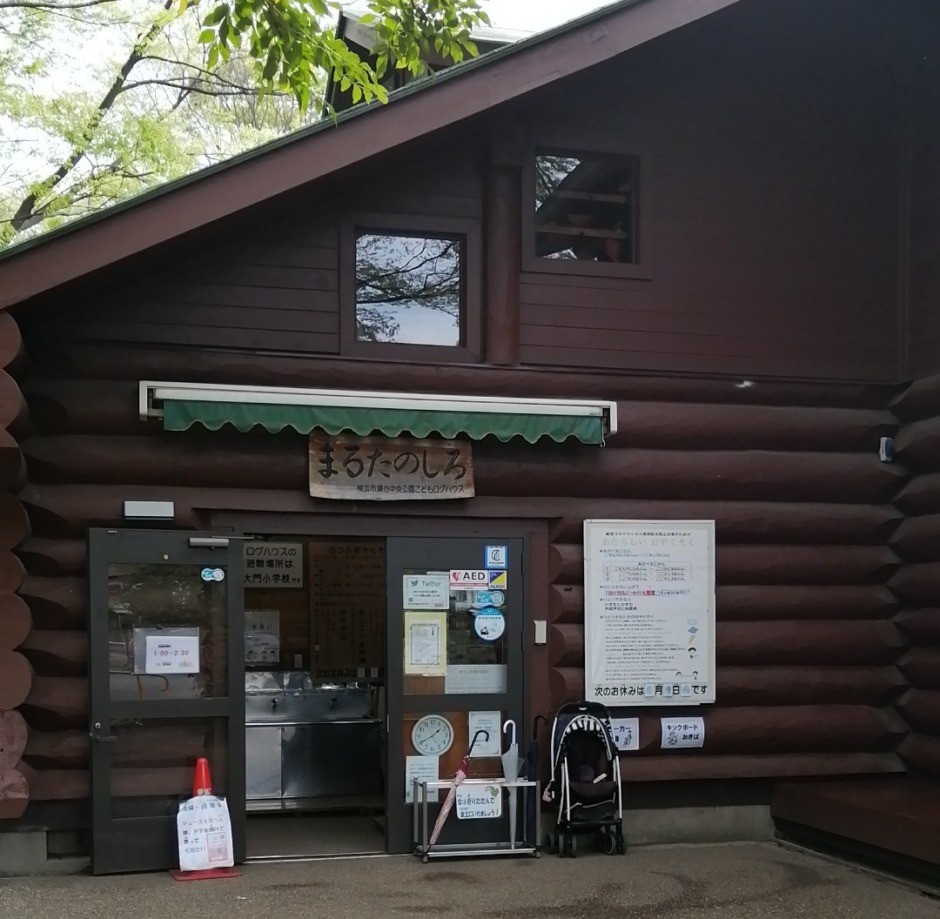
202, 780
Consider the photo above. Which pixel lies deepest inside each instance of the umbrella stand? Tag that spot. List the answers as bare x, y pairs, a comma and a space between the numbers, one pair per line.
532, 772
462, 771
511, 766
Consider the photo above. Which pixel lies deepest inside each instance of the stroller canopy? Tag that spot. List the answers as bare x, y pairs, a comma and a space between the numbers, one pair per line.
589, 724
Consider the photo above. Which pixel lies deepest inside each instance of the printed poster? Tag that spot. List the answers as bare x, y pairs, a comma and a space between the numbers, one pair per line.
649, 596
425, 643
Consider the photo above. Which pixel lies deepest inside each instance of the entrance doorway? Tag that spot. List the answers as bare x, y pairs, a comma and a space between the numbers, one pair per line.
342, 652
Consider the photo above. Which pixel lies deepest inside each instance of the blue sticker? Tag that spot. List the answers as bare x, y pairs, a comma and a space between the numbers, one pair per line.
497, 597
208, 574
489, 624
496, 557
484, 598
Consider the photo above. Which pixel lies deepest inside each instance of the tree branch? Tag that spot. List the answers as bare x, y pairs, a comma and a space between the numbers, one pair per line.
21, 220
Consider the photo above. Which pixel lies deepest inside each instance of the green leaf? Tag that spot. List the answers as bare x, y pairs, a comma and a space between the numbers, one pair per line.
206, 36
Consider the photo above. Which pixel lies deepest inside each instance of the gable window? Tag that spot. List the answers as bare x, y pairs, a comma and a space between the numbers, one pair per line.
412, 287
409, 288
585, 207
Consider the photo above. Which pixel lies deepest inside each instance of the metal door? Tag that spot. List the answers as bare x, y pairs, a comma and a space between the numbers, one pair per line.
456, 615
166, 665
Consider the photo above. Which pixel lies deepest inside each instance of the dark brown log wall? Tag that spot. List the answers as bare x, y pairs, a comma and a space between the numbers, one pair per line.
768, 240
923, 205
275, 286
807, 648
917, 582
17, 678
768, 212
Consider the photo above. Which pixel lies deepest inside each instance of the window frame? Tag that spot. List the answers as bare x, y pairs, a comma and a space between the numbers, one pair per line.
641, 269
468, 231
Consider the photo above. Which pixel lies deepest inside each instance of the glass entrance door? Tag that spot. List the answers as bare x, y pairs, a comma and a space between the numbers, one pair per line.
167, 675
455, 670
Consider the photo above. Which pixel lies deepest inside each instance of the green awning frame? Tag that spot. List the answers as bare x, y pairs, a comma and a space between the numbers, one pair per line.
183, 405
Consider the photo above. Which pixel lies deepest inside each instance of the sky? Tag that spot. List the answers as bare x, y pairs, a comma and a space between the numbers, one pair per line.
537, 15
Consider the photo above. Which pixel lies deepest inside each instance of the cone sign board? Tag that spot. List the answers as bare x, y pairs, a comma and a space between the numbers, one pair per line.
204, 834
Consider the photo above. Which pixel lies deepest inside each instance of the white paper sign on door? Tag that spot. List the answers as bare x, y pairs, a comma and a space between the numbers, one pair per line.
489, 744
172, 654
421, 769
425, 591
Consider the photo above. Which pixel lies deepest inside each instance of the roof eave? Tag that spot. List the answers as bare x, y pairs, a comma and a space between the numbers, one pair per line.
420, 109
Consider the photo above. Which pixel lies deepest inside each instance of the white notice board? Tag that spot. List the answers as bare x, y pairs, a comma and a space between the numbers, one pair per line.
649, 612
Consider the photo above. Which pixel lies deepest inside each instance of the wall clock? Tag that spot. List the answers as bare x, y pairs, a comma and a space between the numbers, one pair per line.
432, 735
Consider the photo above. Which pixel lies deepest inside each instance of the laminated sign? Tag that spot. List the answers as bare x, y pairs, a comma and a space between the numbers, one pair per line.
204, 833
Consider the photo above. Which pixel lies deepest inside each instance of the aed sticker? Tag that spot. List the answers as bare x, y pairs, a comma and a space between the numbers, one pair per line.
468, 578
498, 580
489, 624
213, 574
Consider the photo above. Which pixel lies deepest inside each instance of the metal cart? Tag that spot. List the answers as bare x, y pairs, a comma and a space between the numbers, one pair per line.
523, 846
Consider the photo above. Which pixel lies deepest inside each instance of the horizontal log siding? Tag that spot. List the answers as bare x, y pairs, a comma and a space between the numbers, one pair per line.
17, 678
273, 285
923, 340
768, 233
917, 582
803, 511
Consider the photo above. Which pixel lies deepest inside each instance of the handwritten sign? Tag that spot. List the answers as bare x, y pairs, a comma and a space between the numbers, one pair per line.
172, 654
479, 802
204, 834
346, 467
649, 596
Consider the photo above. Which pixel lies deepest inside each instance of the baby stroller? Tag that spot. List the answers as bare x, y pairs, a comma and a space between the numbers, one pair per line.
585, 781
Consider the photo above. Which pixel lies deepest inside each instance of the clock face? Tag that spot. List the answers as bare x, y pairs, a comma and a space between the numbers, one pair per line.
432, 735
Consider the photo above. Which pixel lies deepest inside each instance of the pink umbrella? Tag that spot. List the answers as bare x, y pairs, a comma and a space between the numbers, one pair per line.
462, 771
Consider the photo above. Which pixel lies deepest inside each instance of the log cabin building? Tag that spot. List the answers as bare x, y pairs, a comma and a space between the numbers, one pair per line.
675, 260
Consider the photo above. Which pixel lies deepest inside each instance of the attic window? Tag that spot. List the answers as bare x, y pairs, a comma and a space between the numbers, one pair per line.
585, 207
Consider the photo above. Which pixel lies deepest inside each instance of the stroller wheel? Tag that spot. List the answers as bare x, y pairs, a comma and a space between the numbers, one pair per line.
609, 843
550, 843
621, 846
570, 845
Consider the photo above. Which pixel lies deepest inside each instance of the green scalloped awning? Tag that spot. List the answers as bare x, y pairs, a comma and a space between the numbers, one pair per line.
180, 415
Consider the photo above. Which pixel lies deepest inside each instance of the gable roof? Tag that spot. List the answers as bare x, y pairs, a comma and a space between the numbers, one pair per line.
167, 212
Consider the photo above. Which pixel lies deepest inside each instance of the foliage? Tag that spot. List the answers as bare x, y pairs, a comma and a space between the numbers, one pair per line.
187, 84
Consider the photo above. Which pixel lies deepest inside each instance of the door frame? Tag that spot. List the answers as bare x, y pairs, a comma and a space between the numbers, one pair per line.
127, 843
384, 523
513, 699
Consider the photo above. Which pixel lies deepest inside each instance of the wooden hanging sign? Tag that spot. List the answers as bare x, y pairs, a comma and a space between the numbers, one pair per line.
351, 468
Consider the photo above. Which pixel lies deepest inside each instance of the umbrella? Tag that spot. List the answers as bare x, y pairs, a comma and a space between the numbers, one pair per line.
511, 766
532, 772
462, 771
